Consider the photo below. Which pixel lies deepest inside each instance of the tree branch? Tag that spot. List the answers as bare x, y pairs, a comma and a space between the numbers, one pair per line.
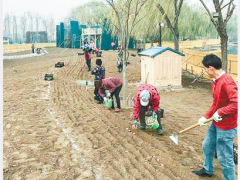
221, 2
229, 14
209, 13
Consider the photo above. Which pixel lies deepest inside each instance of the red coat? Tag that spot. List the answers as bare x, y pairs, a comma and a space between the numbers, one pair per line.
111, 84
153, 102
89, 56
225, 101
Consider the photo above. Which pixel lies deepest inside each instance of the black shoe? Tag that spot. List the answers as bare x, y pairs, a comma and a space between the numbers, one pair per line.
202, 173
160, 131
142, 126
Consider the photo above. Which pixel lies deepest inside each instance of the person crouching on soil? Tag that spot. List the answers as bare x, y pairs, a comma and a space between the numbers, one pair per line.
88, 58
147, 95
114, 85
99, 72
223, 129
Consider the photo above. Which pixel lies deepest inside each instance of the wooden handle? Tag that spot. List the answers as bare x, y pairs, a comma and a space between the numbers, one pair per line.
146, 78
195, 125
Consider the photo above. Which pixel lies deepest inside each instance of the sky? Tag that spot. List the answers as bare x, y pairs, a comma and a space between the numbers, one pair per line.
58, 8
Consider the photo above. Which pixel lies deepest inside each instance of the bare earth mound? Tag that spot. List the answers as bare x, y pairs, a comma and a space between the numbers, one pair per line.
55, 129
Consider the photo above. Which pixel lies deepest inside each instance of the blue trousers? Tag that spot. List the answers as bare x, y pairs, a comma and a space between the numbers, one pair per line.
220, 141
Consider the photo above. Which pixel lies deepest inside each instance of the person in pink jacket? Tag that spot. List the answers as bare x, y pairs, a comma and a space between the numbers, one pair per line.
147, 95
114, 85
113, 45
223, 129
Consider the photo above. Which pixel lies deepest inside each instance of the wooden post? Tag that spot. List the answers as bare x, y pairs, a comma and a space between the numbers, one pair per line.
230, 66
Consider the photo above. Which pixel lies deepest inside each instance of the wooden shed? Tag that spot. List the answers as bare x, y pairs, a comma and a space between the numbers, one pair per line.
161, 67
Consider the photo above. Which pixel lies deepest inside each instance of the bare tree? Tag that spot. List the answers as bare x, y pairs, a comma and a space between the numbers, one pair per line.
221, 24
6, 22
127, 17
23, 24
51, 27
30, 15
174, 24
37, 20
15, 27
44, 20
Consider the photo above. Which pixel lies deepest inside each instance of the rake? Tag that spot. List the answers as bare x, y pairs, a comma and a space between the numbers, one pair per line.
174, 138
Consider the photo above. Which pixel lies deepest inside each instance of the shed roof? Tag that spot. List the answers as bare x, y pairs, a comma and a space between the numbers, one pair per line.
154, 51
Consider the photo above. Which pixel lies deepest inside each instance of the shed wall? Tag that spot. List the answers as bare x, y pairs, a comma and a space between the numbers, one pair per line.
164, 69
147, 69
167, 69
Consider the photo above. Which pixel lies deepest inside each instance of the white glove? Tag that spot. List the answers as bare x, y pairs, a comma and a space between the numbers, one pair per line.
109, 94
217, 117
154, 114
105, 99
135, 123
200, 121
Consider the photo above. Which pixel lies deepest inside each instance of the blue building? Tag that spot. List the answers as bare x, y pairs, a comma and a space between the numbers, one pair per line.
73, 35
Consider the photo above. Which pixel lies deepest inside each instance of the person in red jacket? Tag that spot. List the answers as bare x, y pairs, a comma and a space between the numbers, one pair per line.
88, 58
147, 95
114, 85
223, 129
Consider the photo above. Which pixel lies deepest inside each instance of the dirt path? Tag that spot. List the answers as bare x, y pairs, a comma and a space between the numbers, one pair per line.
55, 130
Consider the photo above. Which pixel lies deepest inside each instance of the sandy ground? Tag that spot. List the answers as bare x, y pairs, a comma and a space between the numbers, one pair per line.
55, 129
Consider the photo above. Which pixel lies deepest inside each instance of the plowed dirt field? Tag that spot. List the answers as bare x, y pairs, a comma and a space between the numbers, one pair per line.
54, 130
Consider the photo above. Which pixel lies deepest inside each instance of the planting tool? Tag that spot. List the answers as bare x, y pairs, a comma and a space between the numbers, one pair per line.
146, 78
198, 77
175, 138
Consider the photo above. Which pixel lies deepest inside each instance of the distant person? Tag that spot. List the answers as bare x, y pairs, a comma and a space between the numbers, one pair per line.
92, 44
114, 85
95, 51
139, 49
88, 58
99, 72
119, 48
223, 128
113, 45
32, 48
147, 95
89, 48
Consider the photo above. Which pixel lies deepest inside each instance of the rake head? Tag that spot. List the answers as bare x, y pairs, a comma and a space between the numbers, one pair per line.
174, 139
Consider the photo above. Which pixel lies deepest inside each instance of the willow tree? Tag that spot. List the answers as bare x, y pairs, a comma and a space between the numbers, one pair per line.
91, 14
194, 23
223, 8
173, 25
148, 29
125, 17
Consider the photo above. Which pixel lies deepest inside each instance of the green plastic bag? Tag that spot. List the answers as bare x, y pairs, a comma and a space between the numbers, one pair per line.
108, 103
152, 122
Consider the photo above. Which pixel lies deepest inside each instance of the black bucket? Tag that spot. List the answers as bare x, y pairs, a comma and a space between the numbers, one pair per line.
48, 77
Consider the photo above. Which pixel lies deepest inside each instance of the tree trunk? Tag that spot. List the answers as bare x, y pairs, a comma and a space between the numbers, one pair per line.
224, 41
124, 68
176, 35
144, 43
